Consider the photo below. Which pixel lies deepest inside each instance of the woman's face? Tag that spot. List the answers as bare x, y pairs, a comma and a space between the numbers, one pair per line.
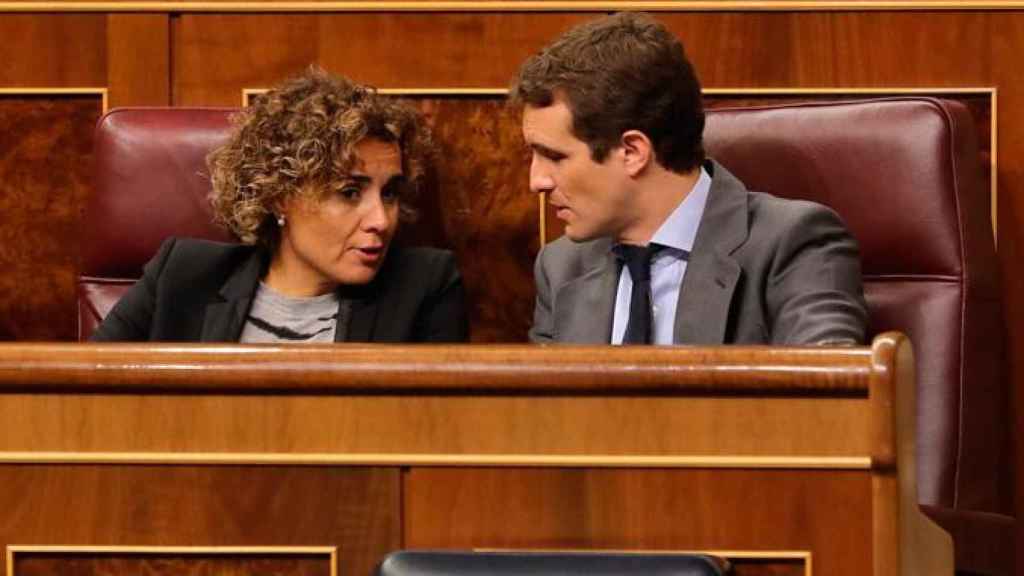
341, 238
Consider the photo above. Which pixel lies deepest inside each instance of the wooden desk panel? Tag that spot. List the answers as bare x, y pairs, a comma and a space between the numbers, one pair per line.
777, 451
766, 512
355, 509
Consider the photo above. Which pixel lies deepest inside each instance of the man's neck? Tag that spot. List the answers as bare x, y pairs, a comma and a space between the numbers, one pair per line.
658, 195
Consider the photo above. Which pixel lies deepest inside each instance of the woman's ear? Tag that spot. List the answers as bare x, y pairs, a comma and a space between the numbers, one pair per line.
637, 152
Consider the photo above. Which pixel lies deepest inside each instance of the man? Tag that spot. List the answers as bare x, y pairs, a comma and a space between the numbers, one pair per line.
661, 245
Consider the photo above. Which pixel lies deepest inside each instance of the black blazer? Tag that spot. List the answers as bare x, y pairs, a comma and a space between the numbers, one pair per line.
201, 291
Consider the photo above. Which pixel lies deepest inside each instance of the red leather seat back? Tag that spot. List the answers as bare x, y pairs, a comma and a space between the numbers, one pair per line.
904, 175
150, 183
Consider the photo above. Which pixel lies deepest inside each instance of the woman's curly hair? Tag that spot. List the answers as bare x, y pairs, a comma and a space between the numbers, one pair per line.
299, 138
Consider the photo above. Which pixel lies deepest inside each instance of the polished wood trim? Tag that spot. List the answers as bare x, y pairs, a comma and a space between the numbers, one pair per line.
937, 91
542, 202
443, 460
905, 541
248, 93
511, 6
330, 551
840, 91
359, 368
805, 555
994, 164
32, 91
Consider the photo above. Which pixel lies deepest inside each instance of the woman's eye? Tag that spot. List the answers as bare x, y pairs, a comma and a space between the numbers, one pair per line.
350, 192
391, 194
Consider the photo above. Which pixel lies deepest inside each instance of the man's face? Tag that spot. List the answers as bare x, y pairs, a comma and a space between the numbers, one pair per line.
590, 197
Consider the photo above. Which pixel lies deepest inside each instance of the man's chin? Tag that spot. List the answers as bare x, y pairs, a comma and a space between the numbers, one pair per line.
576, 234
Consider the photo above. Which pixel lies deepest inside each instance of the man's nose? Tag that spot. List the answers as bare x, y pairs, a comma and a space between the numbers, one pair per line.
540, 178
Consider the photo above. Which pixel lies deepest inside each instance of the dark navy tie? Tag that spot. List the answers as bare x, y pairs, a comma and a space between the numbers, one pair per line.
638, 260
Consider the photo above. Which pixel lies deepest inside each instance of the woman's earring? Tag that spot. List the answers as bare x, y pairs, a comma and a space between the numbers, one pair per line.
280, 220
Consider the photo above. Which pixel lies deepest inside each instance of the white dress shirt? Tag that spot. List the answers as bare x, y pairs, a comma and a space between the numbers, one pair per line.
676, 234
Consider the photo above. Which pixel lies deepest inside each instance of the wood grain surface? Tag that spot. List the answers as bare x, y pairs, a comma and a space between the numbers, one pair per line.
355, 509
214, 56
45, 163
644, 510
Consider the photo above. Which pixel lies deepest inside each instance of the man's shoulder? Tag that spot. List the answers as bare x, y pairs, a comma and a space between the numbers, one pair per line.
565, 250
775, 217
766, 210
569, 258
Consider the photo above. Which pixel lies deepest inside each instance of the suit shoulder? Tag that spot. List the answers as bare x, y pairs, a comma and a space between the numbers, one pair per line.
782, 211
565, 252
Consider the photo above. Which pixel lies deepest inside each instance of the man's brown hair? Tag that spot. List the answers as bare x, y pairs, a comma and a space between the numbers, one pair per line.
618, 73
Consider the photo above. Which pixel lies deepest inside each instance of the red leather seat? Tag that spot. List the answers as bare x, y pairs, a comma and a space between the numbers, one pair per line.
150, 183
903, 173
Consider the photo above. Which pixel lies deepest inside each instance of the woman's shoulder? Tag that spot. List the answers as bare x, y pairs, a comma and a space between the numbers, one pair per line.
425, 265
424, 256
196, 262
196, 248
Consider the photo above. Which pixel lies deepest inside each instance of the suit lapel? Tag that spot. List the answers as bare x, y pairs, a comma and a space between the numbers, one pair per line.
589, 319
223, 320
702, 312
362, 321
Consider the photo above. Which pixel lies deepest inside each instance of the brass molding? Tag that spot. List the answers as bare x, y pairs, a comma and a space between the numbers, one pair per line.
329, 6
804, 556
442, 460
330, 551
75, 91
248, 93
937, 91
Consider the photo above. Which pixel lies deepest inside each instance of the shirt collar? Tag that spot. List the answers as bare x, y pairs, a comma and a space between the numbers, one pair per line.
679, 230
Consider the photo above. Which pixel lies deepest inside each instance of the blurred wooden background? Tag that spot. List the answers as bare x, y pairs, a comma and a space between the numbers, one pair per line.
61, 66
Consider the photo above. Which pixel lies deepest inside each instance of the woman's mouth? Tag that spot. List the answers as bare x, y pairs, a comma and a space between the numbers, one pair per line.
370, 254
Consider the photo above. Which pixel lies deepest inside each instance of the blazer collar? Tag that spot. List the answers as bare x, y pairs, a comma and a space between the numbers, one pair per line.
702, 312
223, 320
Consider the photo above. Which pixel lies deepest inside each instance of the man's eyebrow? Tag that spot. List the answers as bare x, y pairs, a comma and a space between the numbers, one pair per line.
545, 150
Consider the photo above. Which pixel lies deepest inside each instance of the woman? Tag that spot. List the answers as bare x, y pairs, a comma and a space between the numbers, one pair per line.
313, 182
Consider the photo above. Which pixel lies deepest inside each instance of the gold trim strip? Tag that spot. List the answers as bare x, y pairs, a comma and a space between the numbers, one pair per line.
994, 167
269, 550
515, 6
542, 202
804, 555
992, 91
454, 460
83, 91
330, 551
727, 91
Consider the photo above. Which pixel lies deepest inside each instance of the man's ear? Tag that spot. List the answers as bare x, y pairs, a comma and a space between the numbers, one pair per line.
637, 152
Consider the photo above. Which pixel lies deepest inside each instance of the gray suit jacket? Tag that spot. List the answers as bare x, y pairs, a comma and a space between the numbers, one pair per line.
763, 270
